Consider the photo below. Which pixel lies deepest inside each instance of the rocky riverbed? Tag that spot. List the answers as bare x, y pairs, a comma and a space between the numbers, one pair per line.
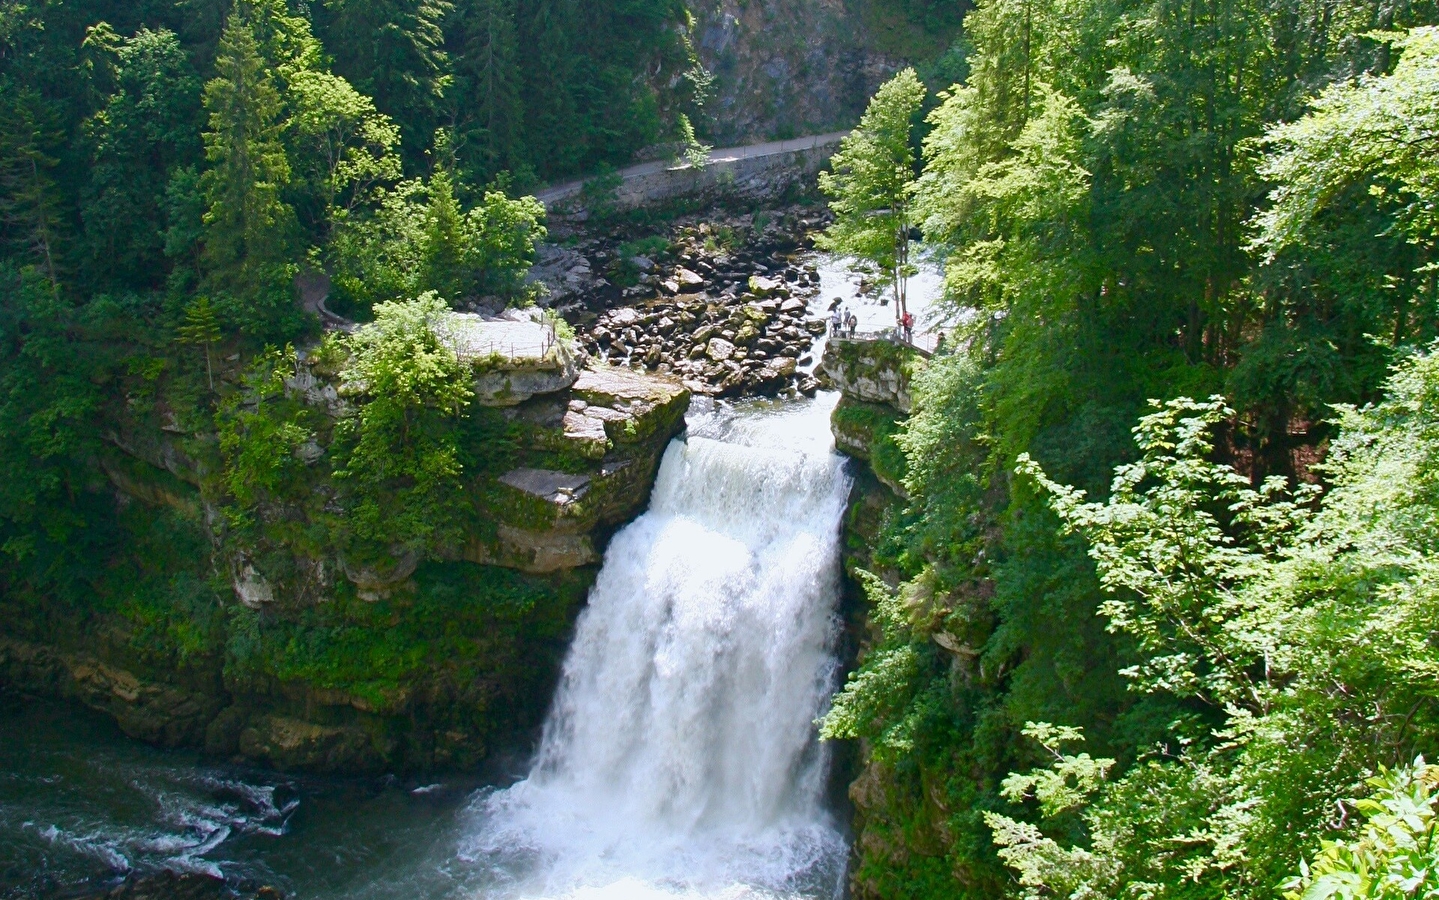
723, 302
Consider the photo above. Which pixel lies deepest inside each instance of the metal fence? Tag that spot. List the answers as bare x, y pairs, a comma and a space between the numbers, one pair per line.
924, 343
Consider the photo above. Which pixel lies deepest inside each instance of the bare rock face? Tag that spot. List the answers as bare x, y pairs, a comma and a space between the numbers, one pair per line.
604, 438
288, 743
159, 712
787, 66
875, 371
377, 579
251, 587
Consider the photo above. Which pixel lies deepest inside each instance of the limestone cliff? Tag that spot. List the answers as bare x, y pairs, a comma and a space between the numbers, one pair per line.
783, 68
286, 653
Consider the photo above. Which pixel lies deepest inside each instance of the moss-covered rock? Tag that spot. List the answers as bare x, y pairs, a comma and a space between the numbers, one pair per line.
867, 431
256, 636
872, 371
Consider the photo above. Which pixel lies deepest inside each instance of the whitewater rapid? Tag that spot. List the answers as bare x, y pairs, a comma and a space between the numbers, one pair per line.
680, 757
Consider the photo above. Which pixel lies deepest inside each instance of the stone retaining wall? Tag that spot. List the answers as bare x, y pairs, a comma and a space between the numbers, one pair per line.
758, 172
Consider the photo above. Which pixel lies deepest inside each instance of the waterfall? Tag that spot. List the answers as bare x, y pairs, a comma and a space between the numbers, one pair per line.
679, 757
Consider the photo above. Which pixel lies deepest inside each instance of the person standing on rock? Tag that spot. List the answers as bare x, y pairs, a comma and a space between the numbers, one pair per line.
907, 321
853, 322
836, 322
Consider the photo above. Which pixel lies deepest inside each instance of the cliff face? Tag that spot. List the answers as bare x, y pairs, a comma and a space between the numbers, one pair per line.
283, 652
784, 68
874, 380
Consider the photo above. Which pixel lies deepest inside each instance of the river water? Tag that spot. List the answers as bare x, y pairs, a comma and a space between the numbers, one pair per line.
679, 758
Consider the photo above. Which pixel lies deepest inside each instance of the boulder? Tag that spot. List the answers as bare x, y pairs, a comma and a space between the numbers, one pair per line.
719, 349
761, 286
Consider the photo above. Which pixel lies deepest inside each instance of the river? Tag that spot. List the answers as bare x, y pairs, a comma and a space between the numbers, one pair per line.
679, 758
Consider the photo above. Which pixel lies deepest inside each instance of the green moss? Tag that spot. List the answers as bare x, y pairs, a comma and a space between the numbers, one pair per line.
868, 431
462, 624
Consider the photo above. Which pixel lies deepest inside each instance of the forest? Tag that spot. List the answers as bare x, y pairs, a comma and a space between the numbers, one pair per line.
1154, 615
170, 172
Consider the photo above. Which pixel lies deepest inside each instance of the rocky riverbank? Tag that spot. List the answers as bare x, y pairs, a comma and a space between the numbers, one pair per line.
722, 302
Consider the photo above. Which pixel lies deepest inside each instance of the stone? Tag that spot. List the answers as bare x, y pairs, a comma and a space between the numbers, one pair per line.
792, 306
377, 580
624, 317
719, 349
784, 365
761, 286
688, 279
251, 587
553, 487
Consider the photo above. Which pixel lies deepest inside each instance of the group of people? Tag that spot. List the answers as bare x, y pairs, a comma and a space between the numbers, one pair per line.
844, 323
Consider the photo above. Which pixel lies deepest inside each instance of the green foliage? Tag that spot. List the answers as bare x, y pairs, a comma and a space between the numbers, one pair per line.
870, 184
1378, 131
1303, 629
248, 224
1135, 201
421, 240
261, 434
201, 329
147, 130
401, 466
1396, 853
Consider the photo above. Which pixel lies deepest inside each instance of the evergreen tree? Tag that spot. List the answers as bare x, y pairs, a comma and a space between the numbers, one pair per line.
30, 205
148, 128
248, 225
487, 111
444, 244
393, 51
201, 329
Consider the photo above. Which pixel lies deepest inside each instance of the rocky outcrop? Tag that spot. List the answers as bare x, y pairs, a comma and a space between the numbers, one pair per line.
872, 371
603, 440
786, 66
790, 67
161, 712
299, 674
514, 356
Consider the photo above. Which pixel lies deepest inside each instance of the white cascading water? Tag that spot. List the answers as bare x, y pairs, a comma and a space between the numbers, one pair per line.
679, 758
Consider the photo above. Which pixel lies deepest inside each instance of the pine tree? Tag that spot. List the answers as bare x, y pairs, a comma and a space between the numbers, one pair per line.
393, 51
488, 113
247, 223
444, 246
30, 218
201, 329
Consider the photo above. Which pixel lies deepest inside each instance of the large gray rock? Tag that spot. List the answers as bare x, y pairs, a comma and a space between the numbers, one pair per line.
876, 371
